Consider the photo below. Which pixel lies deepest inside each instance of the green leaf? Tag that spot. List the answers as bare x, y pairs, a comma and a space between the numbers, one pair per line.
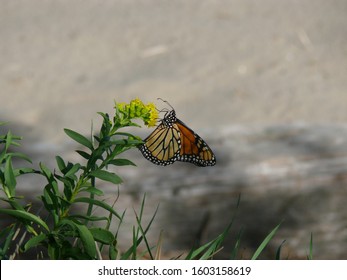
61, 163
121, 162
14, 203
113, 252
136, 239
106, 176
79, 138
2, 155
49, 198
279, 249
129, 135
24, 170
213, 249
265, 242
98, 203
194, 253
8, 140
6, 236
72, 171
51, 202
89, 218
53, 251
236, 248
48, 174
26, 216
310, 256
34, 241
3, 123
85, 236
20, 155
87, 240
128, 142
93, 190
75, 253
102, 235
10, 179
83, 154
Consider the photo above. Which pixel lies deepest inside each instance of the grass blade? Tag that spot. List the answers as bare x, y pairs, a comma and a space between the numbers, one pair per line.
265, 242
278, 253
310, 256
236, 248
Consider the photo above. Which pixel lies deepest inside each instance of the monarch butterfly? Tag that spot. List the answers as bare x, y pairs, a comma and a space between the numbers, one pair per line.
173, 141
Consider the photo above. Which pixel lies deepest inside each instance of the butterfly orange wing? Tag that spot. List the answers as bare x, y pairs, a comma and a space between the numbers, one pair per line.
193, 148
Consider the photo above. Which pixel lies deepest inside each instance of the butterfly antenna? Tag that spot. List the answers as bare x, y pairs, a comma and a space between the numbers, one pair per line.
166, 102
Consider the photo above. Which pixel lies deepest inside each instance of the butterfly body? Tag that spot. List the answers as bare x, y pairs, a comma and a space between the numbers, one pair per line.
173, 141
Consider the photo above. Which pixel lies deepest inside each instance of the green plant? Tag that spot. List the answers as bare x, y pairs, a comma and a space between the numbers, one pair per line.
63, 233
60, 230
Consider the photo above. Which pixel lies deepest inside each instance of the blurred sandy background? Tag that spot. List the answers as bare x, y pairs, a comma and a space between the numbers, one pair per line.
219, 63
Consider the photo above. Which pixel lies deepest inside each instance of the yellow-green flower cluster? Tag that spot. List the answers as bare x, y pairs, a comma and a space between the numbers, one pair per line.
136, 109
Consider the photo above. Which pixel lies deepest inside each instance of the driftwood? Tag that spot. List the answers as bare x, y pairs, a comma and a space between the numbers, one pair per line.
294, 174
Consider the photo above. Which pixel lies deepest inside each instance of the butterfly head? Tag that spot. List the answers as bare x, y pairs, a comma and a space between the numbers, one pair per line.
169, 118
170, 115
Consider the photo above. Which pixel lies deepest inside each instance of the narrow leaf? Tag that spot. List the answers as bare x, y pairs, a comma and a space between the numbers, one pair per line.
127, 142
24, 170
265, 242
121, 162
46, 171
310, 256
10, 179
85, 236
102, 235
113, 252
2, 155
26, 216
34, 241
87, 240
159, 246
72, 171
6, 236
79, 138
48, 174
61, 163
8, 140
83, 154
126, 134
93, 190
236, 248
20, 155
89, 218
279, 249
98, 203
106, 176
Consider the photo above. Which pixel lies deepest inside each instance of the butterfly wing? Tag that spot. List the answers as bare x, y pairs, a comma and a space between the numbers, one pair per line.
172, 140
193, 148
162, 146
